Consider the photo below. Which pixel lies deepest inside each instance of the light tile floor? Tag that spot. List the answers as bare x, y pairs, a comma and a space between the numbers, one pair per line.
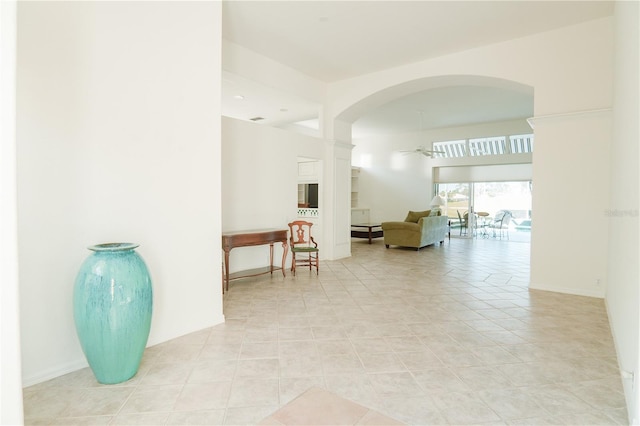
320, 407
449, 334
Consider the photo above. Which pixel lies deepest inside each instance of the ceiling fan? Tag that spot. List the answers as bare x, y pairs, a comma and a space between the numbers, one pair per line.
424, 151
421, 149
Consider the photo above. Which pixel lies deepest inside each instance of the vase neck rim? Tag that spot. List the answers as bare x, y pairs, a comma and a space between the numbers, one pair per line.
113, 247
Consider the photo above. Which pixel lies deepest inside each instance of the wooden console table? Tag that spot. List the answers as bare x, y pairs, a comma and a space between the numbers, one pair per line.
256, 237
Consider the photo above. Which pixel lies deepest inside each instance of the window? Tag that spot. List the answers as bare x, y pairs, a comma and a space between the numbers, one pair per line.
521, 144
518, 144
487, 146
451, 149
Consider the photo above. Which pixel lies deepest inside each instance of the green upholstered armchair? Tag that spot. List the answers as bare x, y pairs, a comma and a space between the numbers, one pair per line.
418, 230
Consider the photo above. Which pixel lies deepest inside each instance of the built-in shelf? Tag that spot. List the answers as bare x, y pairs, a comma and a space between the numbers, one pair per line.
355, 185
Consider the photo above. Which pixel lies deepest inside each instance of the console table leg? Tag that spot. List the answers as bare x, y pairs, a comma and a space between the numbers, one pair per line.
271, 258
285, 249
226, 271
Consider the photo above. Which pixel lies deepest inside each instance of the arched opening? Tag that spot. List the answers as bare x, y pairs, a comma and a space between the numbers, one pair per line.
412, 87
399, 132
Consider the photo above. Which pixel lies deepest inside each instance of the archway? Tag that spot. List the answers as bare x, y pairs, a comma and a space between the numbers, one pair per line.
397, 182
394, 92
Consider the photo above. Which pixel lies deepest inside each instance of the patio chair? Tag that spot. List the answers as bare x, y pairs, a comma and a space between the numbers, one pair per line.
500, 224
464, 222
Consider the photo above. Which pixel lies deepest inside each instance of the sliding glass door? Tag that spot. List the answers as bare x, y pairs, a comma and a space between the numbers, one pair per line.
492, 197
458, 203
485, 200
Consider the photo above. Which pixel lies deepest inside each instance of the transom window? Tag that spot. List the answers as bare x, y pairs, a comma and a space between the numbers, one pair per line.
517, 144
487, 146
450, 149
521, 143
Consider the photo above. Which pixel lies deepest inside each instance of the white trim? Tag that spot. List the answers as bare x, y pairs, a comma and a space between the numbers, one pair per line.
340, 144
568, 290
11, 404
628, 383
52, 373
533, 120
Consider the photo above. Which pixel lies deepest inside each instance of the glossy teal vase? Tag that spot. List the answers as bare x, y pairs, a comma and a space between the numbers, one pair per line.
112, 304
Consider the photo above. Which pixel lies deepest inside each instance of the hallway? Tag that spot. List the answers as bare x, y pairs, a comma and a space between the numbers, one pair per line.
447, 335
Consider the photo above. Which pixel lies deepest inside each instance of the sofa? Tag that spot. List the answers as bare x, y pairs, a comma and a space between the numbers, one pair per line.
418, 230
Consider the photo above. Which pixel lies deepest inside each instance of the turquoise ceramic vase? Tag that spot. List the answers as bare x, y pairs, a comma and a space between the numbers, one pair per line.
112, 304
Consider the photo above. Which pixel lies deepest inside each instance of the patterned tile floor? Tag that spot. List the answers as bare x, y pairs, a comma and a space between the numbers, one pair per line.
448, 335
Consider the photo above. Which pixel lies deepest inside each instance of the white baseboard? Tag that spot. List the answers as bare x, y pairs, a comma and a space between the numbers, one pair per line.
568, 290
54, 372
76, 365
628, 383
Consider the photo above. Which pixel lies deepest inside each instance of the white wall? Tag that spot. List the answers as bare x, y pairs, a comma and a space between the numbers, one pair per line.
392, 182
570, 184
118, 140
10, 364
260, 183
248, 64
623, 300
558, 64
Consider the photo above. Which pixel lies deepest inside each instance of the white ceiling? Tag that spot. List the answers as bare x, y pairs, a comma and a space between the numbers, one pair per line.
335, 40
275, 107
445, 107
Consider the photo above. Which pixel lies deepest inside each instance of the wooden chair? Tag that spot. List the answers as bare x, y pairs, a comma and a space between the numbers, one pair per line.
304, 249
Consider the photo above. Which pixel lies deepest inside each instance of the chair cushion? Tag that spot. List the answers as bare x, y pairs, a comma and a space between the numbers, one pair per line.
304, 249
415, 216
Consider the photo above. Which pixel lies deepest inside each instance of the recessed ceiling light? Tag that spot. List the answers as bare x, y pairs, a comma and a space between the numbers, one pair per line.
239, 97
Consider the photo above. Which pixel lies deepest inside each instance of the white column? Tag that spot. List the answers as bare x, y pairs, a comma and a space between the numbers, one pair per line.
10, 366
337, 178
